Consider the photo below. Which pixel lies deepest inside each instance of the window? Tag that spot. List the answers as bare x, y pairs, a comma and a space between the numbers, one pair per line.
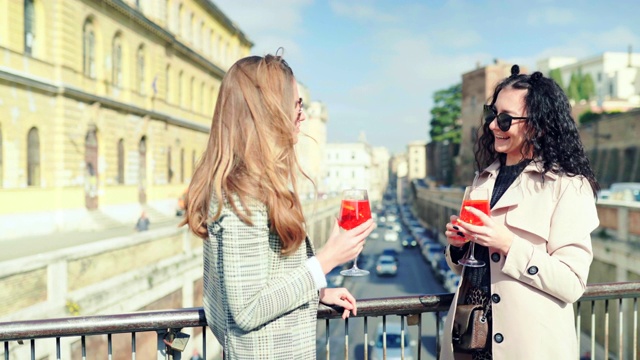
116, 76
193, 93
202, 91
140, 69
29, 26
179, 21
180, 94
120, 178
167, 84
169, 166
193, 161
182, 165
88, 50
33, 158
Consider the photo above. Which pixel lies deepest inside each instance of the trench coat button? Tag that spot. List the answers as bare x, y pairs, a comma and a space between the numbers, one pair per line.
532, 270
495, 257
498, 338
495, 298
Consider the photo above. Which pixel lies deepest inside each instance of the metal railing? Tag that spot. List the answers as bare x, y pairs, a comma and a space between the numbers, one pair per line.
623, 296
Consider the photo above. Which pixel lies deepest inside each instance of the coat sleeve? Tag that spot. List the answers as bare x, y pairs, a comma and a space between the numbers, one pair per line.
254, 295
560, 270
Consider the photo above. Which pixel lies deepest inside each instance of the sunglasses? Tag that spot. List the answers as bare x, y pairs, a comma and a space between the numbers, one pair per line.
299, 103
504, 120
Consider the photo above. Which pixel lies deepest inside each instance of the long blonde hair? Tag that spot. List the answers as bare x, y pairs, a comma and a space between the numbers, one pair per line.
251, 151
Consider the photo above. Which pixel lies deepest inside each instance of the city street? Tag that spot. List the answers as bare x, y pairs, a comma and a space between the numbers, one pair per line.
414, 277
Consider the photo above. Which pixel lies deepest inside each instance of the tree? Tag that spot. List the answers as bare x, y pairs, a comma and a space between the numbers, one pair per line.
445, 114
556, 75
587, 87
573, 91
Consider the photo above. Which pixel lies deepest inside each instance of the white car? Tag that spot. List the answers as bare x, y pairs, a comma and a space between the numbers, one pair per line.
390, 235
394, 343
386, 265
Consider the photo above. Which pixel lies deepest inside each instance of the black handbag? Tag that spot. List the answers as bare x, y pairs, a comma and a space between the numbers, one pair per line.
470, 328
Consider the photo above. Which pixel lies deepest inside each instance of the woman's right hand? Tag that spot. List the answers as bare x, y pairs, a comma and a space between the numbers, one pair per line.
343, 246
455, 234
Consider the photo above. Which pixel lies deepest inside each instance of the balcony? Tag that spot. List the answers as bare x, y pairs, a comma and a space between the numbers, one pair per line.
606, 317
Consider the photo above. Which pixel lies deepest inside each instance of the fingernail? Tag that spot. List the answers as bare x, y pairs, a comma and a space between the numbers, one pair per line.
460, 233
456, 228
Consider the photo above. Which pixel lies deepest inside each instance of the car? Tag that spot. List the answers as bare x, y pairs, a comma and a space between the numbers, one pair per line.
394, 343
408, 241
386, 265
390, 235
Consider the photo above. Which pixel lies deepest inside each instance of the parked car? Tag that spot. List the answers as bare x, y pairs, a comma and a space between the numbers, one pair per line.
386, 265
390, 235
394, 343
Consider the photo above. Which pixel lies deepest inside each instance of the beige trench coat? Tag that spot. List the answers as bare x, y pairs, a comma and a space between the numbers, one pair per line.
545, 272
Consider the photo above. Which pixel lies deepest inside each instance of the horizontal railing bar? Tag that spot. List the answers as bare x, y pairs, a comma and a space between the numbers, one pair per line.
194, 317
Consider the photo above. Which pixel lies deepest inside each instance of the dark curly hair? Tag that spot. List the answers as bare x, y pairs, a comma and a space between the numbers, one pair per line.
551, 134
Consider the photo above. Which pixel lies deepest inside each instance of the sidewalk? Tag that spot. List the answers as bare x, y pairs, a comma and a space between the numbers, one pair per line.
32, 245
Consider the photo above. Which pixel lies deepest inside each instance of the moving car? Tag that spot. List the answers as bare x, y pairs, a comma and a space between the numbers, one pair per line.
394, 343
386, 265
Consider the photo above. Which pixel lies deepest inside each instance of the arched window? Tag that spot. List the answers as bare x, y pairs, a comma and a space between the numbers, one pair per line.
88, 50
181, 96
169, 166
29, 26
116, 77
182, 165
121, 161
167, 84
178, 19
193, 93
140, 69
202, 98
33, 158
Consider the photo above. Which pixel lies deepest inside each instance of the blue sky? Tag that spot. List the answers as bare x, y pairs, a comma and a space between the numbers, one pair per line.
377, 63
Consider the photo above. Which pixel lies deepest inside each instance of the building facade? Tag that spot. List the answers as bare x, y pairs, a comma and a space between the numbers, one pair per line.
106, 110
417, 160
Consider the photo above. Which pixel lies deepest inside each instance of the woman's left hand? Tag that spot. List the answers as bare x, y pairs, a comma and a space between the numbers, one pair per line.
341, 297
491, 234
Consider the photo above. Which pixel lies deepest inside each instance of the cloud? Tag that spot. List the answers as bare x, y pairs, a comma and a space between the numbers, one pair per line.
552, 16
361, 11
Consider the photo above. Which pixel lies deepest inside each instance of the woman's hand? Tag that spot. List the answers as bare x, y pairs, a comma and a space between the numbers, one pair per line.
455, 235
343, 246
341, 297
491, 234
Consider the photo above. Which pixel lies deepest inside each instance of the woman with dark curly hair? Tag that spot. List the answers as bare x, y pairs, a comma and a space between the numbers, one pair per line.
536, 242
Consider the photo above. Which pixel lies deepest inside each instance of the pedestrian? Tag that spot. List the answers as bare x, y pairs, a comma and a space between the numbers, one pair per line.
536, 242
143, 222
196, 355
262, 277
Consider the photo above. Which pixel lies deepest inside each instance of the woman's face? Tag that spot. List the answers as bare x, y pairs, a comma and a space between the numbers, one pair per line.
299, 115
510, 101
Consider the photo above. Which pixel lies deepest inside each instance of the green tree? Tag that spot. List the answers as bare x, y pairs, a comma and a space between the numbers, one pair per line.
587, 87
445, 114
556, 75
573, 91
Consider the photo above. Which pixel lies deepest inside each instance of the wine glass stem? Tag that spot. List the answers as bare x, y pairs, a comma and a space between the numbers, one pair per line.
355, 263
472, 250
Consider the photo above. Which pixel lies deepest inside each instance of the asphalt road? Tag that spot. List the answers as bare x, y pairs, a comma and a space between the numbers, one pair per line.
414, 278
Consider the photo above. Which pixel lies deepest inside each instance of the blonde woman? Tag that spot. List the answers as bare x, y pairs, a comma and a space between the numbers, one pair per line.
262, 277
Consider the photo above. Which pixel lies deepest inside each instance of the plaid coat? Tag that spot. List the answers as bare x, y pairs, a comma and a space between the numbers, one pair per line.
258, 303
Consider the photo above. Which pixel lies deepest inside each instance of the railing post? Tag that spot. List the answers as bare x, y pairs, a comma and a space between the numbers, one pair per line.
623, 223
57, 283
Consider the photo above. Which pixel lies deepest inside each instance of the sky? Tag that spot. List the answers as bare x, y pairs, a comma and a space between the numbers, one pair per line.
375, 64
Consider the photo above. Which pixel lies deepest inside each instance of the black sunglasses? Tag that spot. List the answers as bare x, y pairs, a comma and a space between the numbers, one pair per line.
504, 120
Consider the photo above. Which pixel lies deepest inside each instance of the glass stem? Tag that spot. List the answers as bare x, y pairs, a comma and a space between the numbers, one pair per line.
472, 248
355, 263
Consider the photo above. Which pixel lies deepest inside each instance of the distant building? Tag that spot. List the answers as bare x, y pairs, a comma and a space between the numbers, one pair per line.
616, 76
417, 160
105, 107
311, 147
355, 166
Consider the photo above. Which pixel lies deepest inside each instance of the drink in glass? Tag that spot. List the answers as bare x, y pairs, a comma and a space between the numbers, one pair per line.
354, 210
476, 197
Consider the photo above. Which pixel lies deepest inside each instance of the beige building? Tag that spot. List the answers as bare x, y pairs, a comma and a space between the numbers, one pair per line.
416, 160
106, 110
